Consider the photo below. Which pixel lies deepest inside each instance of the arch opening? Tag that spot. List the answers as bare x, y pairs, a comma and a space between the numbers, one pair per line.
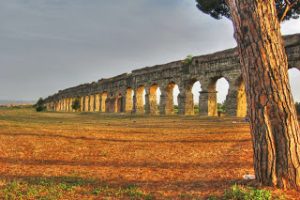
294, 78
196, 89
217, 92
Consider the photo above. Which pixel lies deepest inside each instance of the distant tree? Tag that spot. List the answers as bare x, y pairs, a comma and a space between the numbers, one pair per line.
188, 60
76, 104
221, 107
40, 105
273, 118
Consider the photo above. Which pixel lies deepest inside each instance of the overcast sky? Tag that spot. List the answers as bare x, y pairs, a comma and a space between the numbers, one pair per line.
48, 45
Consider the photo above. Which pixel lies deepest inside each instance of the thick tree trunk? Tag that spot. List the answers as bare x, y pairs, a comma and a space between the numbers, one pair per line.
274, 125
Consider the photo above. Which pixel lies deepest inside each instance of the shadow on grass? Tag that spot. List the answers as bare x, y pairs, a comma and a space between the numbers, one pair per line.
132, 164
125, 141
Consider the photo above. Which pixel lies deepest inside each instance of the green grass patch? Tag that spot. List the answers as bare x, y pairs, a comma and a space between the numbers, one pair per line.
237, 192
53, 188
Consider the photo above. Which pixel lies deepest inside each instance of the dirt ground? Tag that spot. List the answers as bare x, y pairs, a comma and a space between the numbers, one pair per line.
101, 156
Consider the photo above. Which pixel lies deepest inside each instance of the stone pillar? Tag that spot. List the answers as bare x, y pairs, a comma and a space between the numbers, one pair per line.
208, 103
151, 101
166, 101
231, 102
92, 103
236, 101
134, 103
86, 104
64, 105
71, 104
147, 101
139, 100
97, 102
82, 104
67, 104
103, 102
186, 102
128, 101
162, 103
59, 108
109, 104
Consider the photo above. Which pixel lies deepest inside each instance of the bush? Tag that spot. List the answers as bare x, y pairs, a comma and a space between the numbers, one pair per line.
39, 106
76, 104
221, 107
188, 60
240, 193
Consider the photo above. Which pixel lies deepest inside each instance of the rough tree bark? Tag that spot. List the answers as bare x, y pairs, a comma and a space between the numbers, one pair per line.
273, 118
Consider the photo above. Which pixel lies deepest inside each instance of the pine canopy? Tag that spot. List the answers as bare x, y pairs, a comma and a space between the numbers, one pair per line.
286, 9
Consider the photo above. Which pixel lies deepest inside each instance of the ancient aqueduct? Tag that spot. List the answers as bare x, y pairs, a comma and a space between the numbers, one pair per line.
124, 93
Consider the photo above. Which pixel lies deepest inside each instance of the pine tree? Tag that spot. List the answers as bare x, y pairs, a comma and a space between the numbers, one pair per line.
273, 119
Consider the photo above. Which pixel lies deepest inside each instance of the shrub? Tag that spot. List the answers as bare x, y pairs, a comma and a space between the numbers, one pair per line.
240, 193
188, 60
76, 104
221, 107
39, 106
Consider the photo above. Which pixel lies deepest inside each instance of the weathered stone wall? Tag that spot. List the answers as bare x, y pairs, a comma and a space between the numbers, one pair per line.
125, 93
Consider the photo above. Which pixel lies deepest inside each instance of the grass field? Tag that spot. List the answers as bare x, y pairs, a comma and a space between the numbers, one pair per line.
101, 156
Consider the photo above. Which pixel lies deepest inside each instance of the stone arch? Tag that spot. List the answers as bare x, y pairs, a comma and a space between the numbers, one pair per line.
213, 99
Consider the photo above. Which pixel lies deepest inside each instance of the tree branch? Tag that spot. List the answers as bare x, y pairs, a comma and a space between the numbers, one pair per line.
288, 7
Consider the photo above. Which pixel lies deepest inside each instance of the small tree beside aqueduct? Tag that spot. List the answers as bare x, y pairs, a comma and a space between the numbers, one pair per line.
273, 118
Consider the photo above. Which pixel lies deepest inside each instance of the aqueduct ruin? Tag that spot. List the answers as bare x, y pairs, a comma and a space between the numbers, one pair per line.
127, 92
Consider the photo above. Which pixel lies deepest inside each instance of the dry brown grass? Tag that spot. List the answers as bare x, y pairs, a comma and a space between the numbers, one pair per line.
167, 157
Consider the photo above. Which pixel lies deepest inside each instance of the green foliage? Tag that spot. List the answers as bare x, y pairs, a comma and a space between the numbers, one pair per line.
214, 8
76, 104
219, 8
240, 193
188, 60
221, 107
196, 109
175, 108
297, 104
42, 188
39, 106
